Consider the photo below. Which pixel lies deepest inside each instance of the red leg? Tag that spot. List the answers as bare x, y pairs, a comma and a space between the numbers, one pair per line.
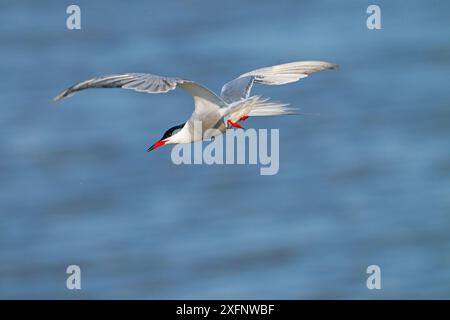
243, 118
234, 124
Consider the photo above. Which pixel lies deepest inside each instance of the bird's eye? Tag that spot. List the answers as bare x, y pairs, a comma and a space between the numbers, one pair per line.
172, 131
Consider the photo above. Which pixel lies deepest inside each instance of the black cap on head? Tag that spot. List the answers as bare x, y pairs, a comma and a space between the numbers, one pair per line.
166, 135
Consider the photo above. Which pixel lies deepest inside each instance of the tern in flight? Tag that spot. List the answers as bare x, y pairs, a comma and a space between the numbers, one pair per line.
214, 113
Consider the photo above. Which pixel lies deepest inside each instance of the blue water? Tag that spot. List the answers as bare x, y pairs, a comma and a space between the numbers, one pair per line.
366, 182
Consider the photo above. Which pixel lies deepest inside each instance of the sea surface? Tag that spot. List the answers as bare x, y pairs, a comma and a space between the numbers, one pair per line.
366, 182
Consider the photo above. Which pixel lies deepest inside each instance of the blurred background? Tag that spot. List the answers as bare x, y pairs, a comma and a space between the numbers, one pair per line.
366, 182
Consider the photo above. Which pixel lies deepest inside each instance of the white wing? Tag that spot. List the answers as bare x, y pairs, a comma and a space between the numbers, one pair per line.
240, 87
204, 99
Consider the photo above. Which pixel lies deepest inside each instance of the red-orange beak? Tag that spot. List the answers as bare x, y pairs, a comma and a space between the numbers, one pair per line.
157, 145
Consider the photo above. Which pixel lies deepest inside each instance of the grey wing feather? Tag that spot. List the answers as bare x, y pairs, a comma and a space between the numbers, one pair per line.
240, 87
150, 83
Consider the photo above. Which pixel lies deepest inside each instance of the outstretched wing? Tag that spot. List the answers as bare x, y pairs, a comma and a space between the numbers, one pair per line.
204, 99
240, 87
